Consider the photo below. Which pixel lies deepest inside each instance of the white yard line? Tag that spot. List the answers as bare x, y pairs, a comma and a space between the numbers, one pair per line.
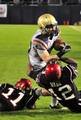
76, 28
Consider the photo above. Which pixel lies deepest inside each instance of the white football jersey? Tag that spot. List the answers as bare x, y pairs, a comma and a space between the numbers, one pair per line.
39, 44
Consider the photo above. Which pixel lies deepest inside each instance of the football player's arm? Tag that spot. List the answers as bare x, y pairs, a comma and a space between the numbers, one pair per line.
61, 46
2, 86
45, 56
43, 53
69, 61
31, 102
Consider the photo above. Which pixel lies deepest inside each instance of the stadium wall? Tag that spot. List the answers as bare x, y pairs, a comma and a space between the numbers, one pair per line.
19, 14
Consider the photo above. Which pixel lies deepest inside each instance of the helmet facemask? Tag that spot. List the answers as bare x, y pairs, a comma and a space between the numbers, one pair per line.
51, 29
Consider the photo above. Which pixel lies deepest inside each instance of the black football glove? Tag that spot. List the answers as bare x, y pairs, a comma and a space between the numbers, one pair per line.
64, 50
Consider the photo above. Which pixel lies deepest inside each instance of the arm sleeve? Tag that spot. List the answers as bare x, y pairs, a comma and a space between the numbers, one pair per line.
40, 49
32, 100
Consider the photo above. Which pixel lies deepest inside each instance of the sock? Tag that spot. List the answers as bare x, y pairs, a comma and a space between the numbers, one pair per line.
54, 101
38, 92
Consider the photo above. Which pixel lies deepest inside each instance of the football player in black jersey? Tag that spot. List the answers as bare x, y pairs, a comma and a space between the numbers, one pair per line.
17, 97
59, 81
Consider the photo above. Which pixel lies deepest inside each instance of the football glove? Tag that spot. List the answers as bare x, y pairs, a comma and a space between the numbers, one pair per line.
64, 50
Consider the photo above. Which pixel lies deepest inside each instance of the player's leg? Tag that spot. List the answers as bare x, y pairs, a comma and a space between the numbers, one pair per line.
41, 81
33, 98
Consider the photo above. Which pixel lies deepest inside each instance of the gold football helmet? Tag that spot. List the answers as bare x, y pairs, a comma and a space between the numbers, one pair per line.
45, 20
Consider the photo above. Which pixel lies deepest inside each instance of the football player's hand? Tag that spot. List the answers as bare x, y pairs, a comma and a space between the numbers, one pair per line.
60, 45
64, 50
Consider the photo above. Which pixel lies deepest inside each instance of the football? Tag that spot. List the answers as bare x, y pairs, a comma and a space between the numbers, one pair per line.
59, 44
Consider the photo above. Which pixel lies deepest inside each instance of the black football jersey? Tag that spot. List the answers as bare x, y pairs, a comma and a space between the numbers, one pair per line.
12, 98
66, 90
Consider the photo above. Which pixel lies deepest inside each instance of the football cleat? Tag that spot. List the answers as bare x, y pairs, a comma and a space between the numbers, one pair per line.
58, 106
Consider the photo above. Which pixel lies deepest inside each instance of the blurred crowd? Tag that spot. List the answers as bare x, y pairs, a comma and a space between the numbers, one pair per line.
41, 2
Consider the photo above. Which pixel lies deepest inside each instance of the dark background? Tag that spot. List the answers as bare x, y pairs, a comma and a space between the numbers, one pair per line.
20, 14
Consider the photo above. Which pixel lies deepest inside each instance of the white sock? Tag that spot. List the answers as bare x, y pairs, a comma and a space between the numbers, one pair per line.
38, 92
54, 101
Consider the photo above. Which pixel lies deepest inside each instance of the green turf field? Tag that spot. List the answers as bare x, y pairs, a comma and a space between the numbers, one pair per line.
14, 43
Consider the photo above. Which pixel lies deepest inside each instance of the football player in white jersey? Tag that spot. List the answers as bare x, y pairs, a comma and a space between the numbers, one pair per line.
41, 46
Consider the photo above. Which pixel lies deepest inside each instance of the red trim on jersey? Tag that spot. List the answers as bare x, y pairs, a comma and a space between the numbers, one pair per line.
38, 41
